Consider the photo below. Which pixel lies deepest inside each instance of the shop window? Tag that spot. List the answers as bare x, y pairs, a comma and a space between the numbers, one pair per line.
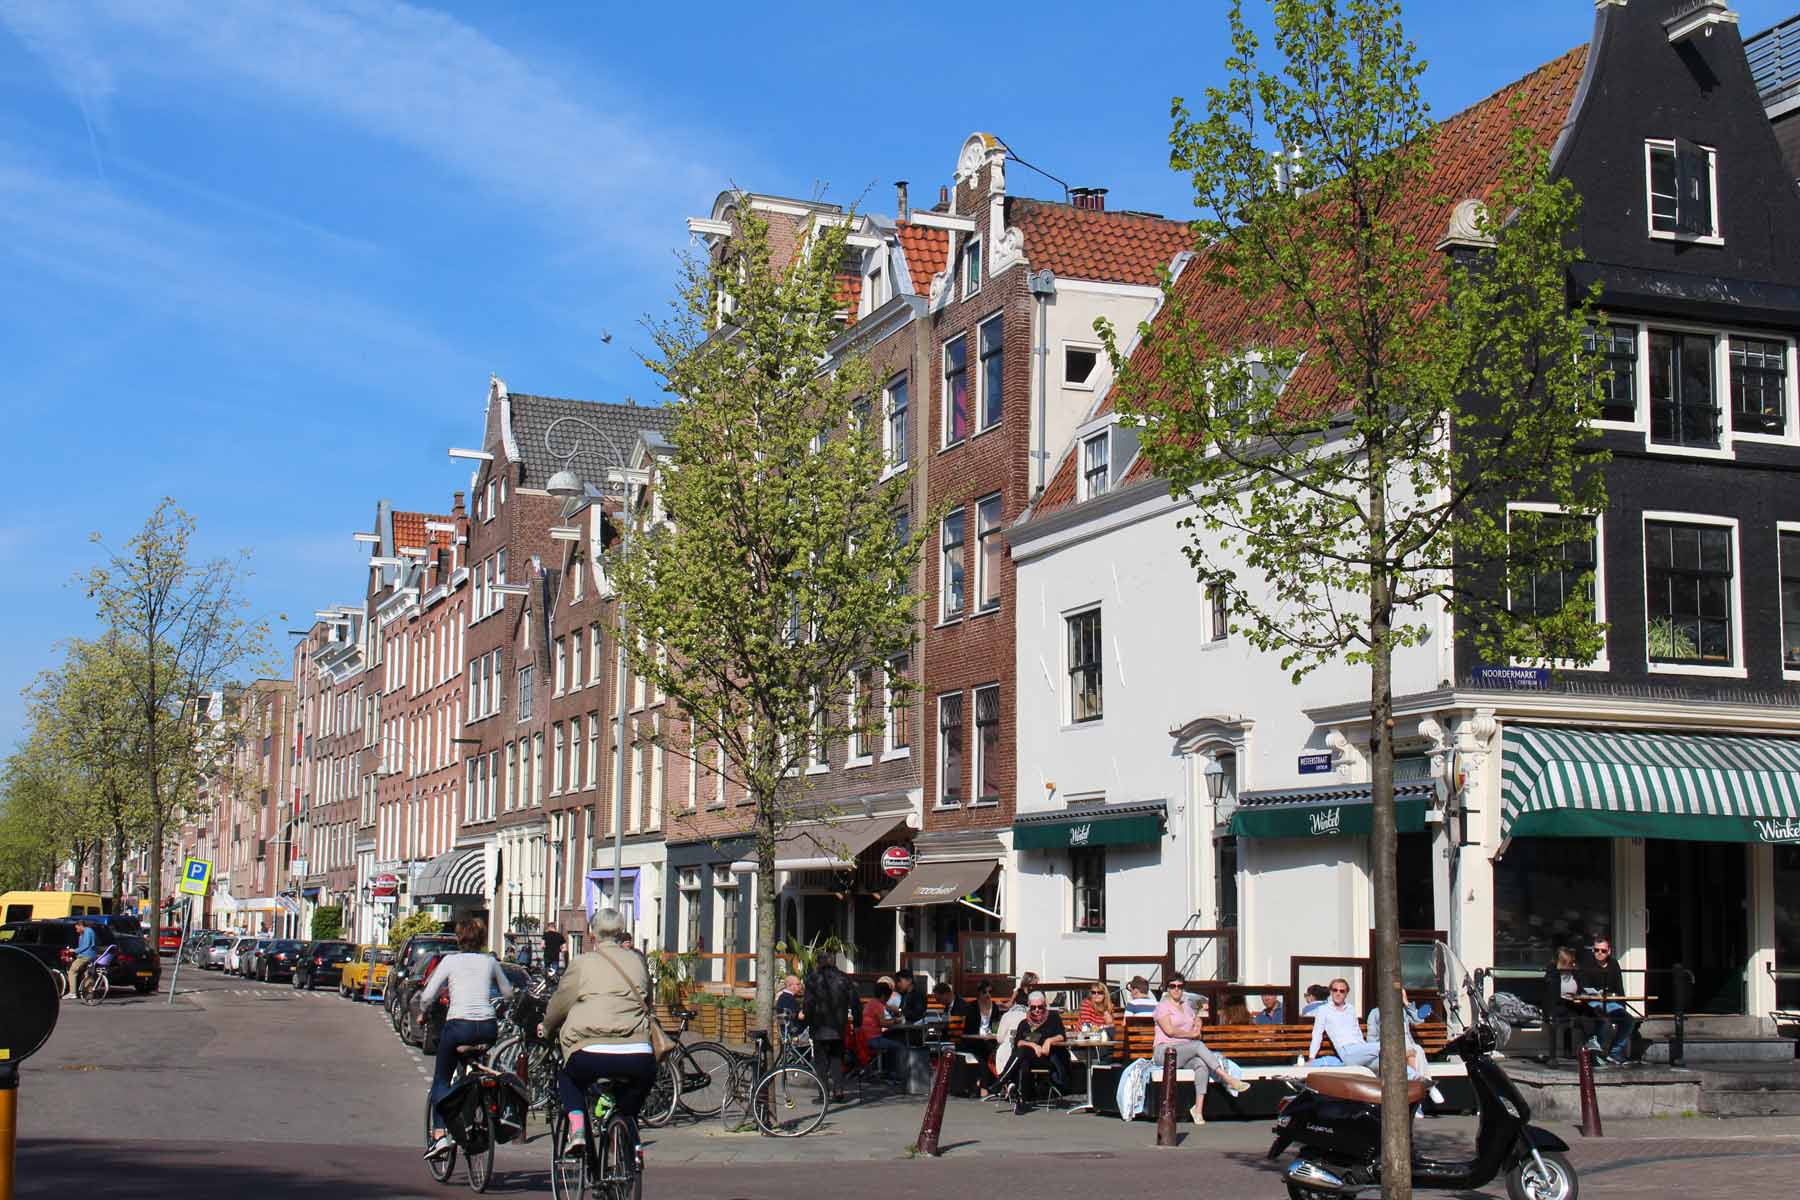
1758, 385
1087, 877
1616, 346
1787, 926
987, 745
1689, 593
1684, 409
1225, 881
1549, 893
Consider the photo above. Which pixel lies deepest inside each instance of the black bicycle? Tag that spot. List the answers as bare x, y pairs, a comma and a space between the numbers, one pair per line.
610, 1166
783, 1094
483, 1108
695, 1078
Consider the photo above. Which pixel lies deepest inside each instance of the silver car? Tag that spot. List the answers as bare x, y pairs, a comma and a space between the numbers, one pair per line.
218, 953
238, 954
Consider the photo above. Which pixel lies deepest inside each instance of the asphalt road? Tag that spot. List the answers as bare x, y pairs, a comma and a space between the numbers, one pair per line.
243, 1089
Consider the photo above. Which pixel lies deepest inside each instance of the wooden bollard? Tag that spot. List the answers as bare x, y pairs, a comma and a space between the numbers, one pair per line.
1165, 1115
934, 1105
1590, 1105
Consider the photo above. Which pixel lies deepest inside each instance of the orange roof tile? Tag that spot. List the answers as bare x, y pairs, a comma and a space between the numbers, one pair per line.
1079, 243
410, 532
1471, 152
926, 251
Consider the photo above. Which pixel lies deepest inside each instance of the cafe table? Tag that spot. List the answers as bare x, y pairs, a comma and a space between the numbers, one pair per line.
1091, 1049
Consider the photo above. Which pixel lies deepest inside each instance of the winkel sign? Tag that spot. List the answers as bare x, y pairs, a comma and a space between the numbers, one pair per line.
1079, 834
1783, 831
1327, 822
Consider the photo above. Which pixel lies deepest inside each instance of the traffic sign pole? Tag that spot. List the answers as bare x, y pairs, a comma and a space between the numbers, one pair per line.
9, 1124
187, 917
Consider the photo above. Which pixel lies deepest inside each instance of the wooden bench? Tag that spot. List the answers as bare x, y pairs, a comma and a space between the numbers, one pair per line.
1263, 1044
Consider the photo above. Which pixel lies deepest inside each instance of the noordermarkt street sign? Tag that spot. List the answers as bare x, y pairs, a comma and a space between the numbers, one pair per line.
196, 873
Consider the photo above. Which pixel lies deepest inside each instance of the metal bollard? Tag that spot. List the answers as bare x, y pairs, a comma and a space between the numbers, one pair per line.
1165, 1115
934, 1105
1590, 1106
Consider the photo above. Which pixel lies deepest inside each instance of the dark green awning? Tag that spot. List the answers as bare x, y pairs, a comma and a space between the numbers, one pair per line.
1331, 810
1611, 783
1119, 825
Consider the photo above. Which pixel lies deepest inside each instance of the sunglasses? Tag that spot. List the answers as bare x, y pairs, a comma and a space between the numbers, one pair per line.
1036, 1008
1340, 991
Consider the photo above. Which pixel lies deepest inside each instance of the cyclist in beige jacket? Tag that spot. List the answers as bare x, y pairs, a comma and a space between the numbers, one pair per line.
601, 1016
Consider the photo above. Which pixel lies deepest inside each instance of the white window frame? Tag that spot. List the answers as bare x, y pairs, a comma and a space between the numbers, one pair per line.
975, 604
972, 747
1104, 437
1738, 668
862, 753
1722, 336
888, 749
818, 749
1715, 238
1067, 687
946, 437
1093, 380
896, 464
1787, 673
938, 800
945, 614
979, 392
971, 252
1601, 661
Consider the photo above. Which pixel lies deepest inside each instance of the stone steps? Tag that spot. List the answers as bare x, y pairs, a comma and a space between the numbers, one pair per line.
1701, 1050
1751, 1091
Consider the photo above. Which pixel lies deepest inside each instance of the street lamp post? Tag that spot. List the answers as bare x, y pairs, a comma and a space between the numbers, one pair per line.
568, 485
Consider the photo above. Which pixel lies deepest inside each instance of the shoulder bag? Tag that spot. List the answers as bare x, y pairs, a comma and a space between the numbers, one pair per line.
661, 1044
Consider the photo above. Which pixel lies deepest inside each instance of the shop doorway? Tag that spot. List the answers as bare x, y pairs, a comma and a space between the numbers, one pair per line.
1415, 880
1697, 914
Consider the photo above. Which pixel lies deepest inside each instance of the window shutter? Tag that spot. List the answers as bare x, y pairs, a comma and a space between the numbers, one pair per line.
1693, 182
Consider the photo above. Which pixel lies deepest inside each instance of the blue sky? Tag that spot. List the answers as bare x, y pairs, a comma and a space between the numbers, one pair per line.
261, 255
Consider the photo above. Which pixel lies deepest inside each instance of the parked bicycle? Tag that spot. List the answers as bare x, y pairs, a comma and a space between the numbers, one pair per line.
783, 1093
612, 1165
531, 1059
693, 1078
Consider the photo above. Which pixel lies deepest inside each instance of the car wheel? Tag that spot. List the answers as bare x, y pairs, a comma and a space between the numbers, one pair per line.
144, 989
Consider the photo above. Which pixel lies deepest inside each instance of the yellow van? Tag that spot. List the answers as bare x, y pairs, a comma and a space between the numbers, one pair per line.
42, 906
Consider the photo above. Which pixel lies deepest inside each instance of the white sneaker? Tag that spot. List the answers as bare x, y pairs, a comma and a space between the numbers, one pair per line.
441, 1147
1437, 1097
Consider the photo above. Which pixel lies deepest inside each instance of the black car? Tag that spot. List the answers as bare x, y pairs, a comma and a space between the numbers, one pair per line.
278, 960
322, 962
407, 975
428, 1019
52, 942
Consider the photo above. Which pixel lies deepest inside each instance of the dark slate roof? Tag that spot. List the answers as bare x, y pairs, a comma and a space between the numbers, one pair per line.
532, 415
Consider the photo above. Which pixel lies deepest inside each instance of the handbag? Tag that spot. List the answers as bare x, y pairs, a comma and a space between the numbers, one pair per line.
661, 1044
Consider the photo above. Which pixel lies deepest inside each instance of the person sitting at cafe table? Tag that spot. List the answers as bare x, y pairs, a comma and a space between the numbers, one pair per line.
1271, 1011
1021, 996
1040, 1037
1317, 996
1338, 1020
981, 1018
1096, 1010
943, 1002
912, 995
1600, 975
1138, 1000
872, 1031
1234, 1012
790, 1011
1175, 1027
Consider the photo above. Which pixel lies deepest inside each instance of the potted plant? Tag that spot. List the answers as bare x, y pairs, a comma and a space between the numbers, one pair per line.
671, 976
736, 1014
710, 1020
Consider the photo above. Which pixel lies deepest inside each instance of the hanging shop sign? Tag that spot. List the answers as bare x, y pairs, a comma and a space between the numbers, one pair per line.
896, 861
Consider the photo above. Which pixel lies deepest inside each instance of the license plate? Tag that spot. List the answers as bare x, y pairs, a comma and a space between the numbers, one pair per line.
145, 974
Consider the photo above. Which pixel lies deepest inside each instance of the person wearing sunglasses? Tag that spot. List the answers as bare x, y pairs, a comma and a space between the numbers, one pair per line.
1040, 1037
1097, 1010
1338, 1020
1177, 1028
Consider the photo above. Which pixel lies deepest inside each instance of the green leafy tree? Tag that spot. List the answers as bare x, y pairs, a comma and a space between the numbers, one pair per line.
183, 620
327, 922
1349, 408
415, 923
781, 569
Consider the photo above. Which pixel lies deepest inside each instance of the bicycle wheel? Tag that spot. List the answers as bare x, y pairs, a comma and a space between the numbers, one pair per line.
620, 1178
62, 984
705, 1077
659, 1107
734, 1113
790, 1102
541, 1075
443, 1164
505, 1054
94, 987
479, 1151
568, 1176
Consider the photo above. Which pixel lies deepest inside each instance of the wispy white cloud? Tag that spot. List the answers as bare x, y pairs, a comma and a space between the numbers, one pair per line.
598, 166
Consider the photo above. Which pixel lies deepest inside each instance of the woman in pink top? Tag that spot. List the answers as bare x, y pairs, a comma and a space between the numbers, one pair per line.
1174, 1027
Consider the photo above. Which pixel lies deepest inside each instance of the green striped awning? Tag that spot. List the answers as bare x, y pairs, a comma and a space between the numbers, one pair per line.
1601, 783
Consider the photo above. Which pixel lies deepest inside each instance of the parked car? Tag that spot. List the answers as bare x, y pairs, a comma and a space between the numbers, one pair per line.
240, 950
354, 980
429, 1018
278, 960
407, 966
52, 943
250, 961
321, 962
168, 939
215, 952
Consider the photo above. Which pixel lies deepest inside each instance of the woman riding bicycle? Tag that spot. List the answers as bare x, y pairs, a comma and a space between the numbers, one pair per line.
601, 1017
472, 975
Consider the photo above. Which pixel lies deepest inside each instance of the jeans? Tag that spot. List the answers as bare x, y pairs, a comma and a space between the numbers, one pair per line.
457, 1033
1025, 1058
1361, 1054
633, 1076
884, 1050
1613, 1029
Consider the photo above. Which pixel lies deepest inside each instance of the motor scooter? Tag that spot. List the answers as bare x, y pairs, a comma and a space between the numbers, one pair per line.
1335, 1119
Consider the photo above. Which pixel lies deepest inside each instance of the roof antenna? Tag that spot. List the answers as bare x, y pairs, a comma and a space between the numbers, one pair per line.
1062, 183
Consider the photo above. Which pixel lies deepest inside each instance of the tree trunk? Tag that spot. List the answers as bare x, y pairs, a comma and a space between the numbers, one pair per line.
765, 913
118, 866
1396, 1116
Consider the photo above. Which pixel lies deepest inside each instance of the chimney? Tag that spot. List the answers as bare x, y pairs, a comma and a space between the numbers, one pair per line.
943, 197
1090, 199
901, 211
456, 503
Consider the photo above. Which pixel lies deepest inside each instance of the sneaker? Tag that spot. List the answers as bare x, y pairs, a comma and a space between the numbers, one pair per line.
1437, 1097
1592, 1046
441, 1147
576, 1146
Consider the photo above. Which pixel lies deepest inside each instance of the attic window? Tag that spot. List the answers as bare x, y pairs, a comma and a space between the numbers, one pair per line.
1080, 365
875, 289
1682, 182
1096, 474
972, 267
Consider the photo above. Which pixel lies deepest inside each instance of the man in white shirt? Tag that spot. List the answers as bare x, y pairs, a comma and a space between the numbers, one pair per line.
1338, 1020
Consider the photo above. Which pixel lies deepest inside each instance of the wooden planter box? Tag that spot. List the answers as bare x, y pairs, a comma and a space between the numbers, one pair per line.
665, 1016
709, 1022
737, 1026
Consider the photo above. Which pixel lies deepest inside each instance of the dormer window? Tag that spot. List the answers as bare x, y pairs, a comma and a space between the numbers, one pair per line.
1096, 473
1681, 179
1105, 452
874, 289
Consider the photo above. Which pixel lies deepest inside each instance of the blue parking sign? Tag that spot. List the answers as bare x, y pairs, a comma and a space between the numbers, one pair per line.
196, 869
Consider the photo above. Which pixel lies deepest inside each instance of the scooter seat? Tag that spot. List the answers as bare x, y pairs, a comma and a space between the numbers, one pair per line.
1359, 1088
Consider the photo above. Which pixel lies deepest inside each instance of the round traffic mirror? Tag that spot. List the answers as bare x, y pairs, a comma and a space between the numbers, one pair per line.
28, 997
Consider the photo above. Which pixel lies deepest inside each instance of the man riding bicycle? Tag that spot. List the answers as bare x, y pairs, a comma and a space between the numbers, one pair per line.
87, 948
601, 1016
472, 975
